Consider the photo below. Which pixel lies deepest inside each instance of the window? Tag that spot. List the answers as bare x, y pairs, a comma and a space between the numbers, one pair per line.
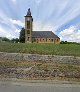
51, 40
28, 31
28, 24
34, 40
28, 38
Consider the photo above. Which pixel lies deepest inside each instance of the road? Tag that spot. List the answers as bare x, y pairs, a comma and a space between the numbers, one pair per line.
38, 87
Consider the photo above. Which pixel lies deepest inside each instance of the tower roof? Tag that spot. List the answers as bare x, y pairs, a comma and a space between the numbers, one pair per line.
28, 13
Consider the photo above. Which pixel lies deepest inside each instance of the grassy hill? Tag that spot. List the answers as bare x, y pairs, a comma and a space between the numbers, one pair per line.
46, 49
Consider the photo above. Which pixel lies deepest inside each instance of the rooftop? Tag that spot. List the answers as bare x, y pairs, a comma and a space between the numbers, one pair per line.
43, 34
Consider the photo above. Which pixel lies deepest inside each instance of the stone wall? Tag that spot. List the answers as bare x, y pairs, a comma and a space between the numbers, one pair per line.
43, 58
47, 40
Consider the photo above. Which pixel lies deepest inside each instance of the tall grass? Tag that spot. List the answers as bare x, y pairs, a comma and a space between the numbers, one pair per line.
46, 49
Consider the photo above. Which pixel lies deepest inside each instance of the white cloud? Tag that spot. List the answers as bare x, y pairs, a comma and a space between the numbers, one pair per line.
9, 21
16, 22
10, 30
4, 33
71, 34
40, 26
17, 30
38, 1
61, 11
14, 1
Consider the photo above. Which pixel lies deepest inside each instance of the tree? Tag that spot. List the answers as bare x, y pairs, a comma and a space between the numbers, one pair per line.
22, 35
4, 39
16, 40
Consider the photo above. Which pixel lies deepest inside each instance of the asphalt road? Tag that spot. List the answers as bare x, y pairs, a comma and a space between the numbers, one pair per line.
38, 87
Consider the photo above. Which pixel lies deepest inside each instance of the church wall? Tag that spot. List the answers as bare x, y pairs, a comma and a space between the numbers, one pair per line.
57, 41
46, 40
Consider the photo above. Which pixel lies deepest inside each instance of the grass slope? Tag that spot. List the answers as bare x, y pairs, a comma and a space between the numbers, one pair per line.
46, 49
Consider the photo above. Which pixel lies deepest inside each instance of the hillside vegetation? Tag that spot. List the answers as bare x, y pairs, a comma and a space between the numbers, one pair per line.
46, 49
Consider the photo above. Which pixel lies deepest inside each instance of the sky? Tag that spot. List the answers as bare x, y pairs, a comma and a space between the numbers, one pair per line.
60, 16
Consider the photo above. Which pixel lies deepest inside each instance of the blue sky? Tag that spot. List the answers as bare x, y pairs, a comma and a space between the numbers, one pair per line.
60, 16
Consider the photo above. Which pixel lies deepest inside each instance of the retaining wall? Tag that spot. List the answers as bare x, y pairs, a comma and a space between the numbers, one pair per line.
35, 57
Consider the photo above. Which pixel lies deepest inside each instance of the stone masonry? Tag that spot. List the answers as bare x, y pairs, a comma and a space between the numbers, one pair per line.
4, 56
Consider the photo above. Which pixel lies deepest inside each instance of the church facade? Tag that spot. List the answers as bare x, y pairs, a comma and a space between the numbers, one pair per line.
38, 36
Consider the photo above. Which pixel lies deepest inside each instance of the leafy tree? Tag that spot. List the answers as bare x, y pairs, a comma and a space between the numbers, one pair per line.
5, 39
16, 40
62, 42
22, 35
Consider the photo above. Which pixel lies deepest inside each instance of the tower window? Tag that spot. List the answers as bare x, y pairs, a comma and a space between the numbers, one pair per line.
28, 38
28, 31
28, 24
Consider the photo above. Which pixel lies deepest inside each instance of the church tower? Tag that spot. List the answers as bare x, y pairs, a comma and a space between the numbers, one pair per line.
28, 27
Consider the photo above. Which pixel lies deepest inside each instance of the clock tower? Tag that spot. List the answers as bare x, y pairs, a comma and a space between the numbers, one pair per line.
28, 27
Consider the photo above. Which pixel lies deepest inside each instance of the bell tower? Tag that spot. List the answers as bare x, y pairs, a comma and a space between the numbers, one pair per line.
28, 27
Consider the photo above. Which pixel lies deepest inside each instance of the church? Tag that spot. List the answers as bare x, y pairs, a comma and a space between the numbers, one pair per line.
38, 36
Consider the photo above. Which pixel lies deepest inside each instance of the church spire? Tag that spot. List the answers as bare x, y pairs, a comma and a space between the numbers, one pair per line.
29, 12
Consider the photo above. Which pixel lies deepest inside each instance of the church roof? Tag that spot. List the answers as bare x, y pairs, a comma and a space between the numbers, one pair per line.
43, 34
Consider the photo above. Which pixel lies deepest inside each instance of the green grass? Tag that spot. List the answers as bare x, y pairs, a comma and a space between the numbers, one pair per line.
46, 49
